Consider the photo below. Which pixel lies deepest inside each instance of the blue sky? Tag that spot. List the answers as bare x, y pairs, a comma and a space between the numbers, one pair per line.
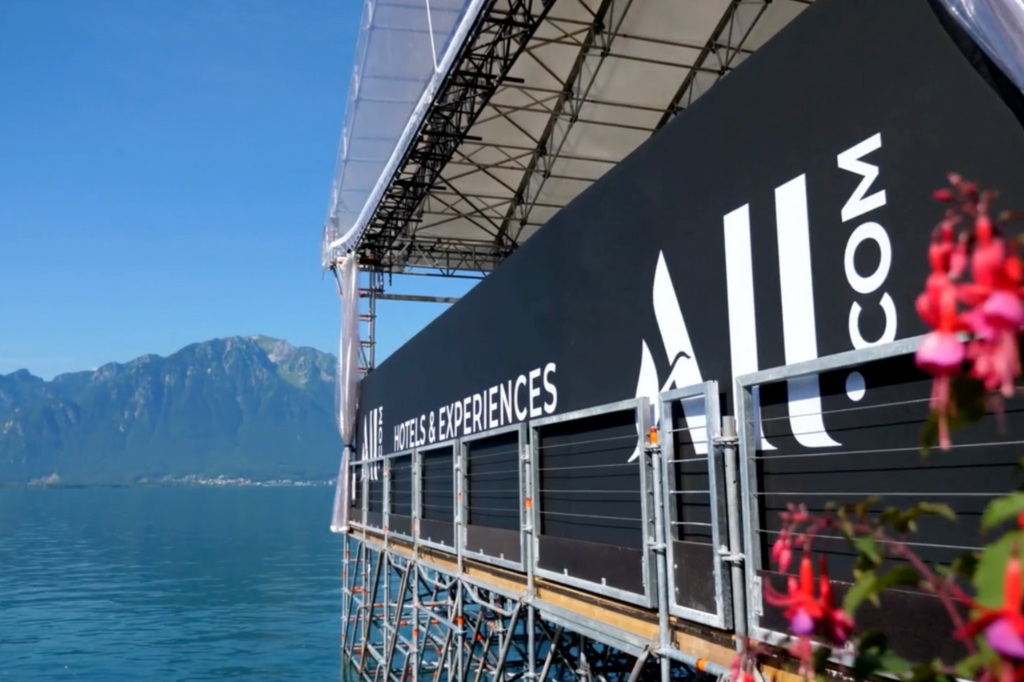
165, 167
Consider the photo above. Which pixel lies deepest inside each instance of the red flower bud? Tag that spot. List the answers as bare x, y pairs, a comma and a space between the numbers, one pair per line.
785, 558
943, 195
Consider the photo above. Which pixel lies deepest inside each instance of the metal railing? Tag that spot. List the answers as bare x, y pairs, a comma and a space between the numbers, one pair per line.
696, 517
867, 443
691, 514
493, 467
399, 494
609, 437
437, 476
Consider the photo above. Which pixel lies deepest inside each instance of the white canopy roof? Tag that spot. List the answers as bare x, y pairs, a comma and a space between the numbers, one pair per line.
595, 79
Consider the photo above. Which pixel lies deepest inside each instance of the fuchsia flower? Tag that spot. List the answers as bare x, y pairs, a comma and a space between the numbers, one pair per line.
995, 314
1003, 627
808, 614
941, 353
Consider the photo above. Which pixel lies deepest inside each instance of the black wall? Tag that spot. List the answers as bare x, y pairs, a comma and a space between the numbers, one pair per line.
580, 294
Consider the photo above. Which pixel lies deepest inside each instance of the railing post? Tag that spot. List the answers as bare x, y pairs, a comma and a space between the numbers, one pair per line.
734, 553
526, 509
657, 544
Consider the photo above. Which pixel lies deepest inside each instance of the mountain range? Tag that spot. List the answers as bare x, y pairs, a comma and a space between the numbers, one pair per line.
241, 407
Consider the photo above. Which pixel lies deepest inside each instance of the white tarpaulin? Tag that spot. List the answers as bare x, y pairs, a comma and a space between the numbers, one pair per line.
405, 50
998, 28
347, 387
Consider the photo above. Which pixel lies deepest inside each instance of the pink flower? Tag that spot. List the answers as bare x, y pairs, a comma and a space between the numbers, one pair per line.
782, 550
941, 354
808, 614
1003, 627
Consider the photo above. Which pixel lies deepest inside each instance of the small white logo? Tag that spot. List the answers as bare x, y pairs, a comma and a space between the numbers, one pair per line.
684, 369
373, 444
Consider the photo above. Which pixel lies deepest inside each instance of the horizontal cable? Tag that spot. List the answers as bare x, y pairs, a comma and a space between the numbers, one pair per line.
471, 456
592, 516
632, 465
500, 510
929, 493
965, 548
494, 473
687, 460
587, 442
915, 448
594, 492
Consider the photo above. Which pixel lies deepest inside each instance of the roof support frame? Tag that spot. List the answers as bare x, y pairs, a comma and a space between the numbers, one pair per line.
610, 12
486, 60
741, 16
528, 100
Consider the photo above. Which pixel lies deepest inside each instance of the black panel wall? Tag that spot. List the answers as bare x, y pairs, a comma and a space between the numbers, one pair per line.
493, 500
375, 497
690, 518
589, 500
879, 455
400, 511
437, 495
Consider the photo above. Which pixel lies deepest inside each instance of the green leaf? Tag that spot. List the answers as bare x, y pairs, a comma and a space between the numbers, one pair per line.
968, 668
895, 664
1002, 509
869, 549
963, 566
865, 666
862, 508
900, 575
873, 639
989, 576
821, 655
926, 672
868, 585
937, 509
863, 588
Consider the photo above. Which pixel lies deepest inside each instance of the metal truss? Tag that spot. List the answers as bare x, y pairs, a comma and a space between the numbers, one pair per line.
403, 620
500, 36
719, 54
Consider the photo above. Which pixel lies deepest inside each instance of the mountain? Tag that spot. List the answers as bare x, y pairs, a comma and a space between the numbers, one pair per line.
251, 407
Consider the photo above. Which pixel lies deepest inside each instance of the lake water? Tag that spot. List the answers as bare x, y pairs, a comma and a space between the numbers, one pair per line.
169, 584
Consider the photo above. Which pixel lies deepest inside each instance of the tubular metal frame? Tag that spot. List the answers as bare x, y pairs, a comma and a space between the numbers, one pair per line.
748, 440
388, 466
370, 466
356, 469
640, 407
455, 444
722, 617
523, 462
409, 620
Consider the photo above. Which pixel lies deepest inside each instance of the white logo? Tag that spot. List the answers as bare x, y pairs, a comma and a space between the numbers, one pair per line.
798, 319
373, 445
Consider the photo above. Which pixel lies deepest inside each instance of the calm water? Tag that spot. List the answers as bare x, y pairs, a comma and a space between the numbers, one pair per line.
169, 584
